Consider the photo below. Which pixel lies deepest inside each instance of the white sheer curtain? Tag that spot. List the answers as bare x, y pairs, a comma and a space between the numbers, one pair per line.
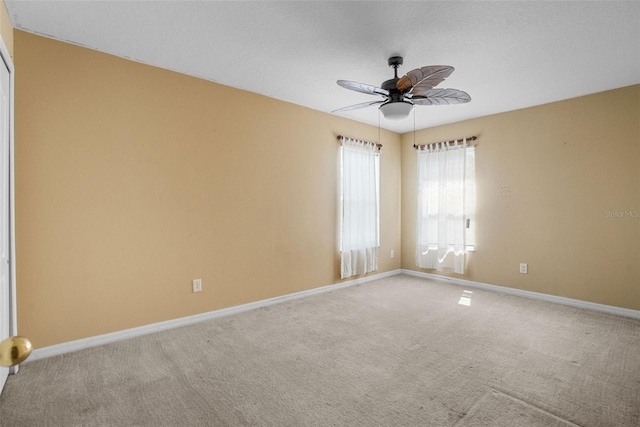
445, 203
359, 228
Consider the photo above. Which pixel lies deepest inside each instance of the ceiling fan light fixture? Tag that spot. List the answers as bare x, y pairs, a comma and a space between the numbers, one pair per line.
396, 110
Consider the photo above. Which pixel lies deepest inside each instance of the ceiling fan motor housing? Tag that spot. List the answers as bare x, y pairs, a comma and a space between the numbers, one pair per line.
395, 95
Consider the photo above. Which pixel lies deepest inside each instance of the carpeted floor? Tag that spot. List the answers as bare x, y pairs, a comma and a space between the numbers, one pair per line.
399, 351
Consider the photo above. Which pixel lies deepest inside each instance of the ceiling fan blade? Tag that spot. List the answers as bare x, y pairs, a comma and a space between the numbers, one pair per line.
358, 106
442, 97
364, 88
425, 77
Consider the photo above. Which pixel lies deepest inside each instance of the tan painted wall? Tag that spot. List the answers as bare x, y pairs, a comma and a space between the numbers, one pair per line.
6, 29
132, 180
546, 179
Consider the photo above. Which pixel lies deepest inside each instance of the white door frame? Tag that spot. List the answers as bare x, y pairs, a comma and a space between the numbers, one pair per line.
13, 318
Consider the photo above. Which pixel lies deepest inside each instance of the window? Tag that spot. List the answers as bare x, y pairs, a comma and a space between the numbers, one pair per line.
446, 206
360, 207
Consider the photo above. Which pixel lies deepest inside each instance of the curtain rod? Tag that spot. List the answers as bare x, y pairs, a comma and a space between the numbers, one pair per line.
379, 146
470, 138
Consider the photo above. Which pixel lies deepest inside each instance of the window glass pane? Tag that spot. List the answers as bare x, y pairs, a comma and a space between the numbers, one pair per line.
359, 194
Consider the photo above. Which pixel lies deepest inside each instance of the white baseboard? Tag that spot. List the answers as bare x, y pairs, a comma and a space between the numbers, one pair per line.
67, 347
58, 349
528, 294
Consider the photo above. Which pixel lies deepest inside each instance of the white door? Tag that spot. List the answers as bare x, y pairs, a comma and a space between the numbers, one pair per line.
5, 281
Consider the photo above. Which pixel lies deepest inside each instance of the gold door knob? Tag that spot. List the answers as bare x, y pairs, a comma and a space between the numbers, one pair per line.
14, 350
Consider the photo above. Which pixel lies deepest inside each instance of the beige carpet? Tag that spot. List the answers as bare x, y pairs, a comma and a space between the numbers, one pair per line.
496, 409
400, 351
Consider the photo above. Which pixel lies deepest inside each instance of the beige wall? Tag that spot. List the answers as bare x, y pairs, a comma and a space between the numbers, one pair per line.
132, 180
546, 178
6, 29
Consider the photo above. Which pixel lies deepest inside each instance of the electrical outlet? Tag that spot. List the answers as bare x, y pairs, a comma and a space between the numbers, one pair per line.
197, 285
392, 254
523, 268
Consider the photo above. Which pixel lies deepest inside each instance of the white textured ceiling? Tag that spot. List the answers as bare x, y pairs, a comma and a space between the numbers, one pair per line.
507, 55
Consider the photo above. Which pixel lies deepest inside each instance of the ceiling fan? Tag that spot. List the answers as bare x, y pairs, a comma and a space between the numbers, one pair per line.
414, 88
